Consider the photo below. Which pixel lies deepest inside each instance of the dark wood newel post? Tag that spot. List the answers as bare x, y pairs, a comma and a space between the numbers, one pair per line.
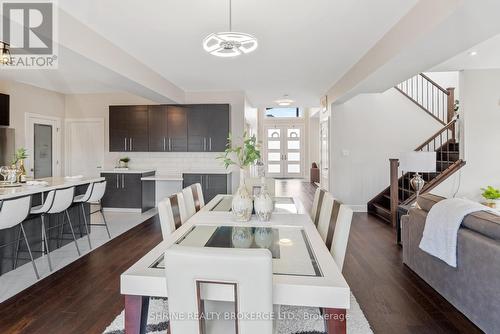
394, 190
451, 108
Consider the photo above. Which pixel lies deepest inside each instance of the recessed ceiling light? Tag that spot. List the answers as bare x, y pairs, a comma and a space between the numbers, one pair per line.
230, 43
285, 101
473, 53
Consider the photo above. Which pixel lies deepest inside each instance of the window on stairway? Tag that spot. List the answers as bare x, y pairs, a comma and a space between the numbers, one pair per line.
283, 112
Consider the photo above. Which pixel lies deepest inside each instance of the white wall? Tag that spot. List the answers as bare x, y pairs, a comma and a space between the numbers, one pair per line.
313, 148
480, 112
29, 99
365, 133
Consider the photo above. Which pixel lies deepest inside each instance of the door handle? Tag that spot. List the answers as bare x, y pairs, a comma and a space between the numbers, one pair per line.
130, 144
210, 144
117, 181
123, 181
125, 143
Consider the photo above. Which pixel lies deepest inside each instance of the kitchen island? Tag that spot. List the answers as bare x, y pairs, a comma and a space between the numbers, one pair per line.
32, 224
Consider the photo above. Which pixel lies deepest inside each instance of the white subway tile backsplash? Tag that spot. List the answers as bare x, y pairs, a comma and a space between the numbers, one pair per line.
168, 163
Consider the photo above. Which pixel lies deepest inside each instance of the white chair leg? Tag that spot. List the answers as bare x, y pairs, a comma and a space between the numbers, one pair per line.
29, 251
46, 242
86, 226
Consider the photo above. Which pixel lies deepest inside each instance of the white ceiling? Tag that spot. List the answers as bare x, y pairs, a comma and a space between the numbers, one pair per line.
487, 57
305, 46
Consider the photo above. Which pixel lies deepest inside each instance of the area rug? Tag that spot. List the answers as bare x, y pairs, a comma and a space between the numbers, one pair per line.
305, 320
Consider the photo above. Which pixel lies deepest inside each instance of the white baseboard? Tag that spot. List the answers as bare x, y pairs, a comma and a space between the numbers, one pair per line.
358, 208
122, 210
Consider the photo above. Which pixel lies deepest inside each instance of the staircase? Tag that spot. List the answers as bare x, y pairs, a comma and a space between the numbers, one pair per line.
438, 103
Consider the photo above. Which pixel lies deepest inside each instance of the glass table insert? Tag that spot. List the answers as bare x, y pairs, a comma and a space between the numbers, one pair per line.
291, 251
281, 204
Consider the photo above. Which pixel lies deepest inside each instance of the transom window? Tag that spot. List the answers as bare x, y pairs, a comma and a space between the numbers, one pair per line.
283, 112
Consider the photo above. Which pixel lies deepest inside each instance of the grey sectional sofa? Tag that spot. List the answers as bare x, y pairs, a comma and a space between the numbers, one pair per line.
474, 286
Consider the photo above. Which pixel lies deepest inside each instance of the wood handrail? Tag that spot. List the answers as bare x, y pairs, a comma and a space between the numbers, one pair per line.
435, 84
449, 126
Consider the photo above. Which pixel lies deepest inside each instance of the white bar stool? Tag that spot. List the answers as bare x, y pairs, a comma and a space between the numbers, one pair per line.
57, 201
93, 195
13, 212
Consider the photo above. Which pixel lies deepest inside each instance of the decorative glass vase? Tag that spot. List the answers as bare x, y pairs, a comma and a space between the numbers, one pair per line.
264, 204
264, 237
242, 204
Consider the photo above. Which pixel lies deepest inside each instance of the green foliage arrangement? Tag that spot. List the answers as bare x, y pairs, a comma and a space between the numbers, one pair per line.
240, 155
491, 193
125, 160
21, 154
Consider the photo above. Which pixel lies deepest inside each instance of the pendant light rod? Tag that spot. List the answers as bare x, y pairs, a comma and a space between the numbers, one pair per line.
230, 16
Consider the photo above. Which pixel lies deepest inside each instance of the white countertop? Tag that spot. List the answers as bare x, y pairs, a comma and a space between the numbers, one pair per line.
53, 183
128, 171
172, 177
207, 171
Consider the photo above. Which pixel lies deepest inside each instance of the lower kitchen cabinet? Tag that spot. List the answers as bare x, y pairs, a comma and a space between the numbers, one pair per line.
211, 184
128, 191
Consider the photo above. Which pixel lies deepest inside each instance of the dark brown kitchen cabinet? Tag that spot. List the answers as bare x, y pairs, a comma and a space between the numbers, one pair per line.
128, 129
128, 191
167, 129
211, 184
208, 127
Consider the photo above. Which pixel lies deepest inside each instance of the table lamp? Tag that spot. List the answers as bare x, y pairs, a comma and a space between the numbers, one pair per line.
417, 162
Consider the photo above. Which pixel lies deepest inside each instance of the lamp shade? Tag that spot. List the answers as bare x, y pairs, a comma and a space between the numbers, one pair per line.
423, 162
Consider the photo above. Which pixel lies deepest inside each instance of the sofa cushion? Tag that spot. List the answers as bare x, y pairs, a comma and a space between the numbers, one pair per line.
427, 201
485, 223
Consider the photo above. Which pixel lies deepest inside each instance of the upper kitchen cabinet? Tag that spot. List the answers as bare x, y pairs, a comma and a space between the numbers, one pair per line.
167, 128
128, 129
208, 127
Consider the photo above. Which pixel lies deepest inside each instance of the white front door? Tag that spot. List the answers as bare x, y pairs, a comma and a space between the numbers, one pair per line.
284, 151
84, 146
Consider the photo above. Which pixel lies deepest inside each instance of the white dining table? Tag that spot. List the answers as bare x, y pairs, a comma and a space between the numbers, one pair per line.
304, 272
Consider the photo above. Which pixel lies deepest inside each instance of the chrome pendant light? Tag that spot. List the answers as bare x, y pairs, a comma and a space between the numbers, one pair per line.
230, 43
5, 57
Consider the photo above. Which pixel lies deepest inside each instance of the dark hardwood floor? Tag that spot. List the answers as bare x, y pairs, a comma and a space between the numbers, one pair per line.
85, 296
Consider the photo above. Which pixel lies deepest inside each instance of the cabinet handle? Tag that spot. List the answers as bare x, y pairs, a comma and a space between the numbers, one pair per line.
125, 143
164, 144
130, 144
123, 180
204, 143
210, 144
117, 182
170, 144
208, 182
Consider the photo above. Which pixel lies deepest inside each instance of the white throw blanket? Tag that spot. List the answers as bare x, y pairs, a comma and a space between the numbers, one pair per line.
441, 227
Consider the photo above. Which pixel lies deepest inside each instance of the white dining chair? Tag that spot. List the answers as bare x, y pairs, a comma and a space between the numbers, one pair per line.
171, 212
199, 199
327, 218
13, 212
341, 235
187, 194
93, 195
243, 277
316, 206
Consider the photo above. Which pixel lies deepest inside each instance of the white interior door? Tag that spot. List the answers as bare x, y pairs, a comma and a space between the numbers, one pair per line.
284, 151
324, 155
85, 146
43, 143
